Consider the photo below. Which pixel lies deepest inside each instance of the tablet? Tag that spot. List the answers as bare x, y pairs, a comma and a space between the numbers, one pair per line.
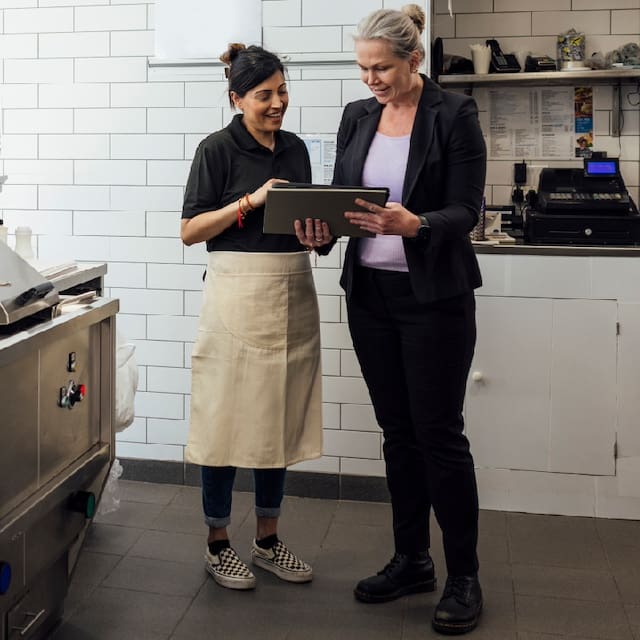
289, 201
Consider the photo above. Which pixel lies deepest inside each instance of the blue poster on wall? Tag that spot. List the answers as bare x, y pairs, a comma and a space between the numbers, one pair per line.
583, 109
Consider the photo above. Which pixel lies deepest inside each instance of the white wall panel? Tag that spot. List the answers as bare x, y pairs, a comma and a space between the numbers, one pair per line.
74, 146
153, 303
147, 198
74, 197
496, 24
73, 45
17, 4
160, 94
162, 354
128, 275
169, 379
206, 94
42, 223
111, 18
163, 223
111, 70
110, 121
353, 444
282, 13
172, 328
168, 172
19, 146
337, 12
132, 43
19, 46
554, 22
73, 95
109, 172
161, 431
183, 120
18, 96
38, 20
109, 223
147, 147
358, 417
41, 71
39, 171
38, 120
301, 39
145, 250
171, 276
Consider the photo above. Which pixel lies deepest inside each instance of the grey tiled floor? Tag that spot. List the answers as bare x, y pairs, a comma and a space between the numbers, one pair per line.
140, 576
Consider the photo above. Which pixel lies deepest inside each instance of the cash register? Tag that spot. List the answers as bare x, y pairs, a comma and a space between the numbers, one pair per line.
589, 206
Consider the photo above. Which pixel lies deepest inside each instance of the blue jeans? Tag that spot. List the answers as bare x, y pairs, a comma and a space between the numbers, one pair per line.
217, 484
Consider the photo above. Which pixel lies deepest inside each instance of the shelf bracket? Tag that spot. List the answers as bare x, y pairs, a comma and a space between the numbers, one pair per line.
616, 111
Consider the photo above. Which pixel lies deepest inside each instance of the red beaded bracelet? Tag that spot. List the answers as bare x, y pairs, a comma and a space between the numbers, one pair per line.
240, 214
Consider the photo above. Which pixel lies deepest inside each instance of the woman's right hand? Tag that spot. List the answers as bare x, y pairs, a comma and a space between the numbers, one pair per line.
259, 196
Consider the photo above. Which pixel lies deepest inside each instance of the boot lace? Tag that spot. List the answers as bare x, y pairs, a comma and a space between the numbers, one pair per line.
456, 587
392, 565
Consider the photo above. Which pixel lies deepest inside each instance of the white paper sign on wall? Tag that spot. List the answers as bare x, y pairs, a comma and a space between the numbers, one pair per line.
191, 29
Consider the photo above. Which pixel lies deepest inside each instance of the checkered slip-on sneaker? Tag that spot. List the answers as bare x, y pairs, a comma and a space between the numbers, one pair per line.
228, 570
280, 561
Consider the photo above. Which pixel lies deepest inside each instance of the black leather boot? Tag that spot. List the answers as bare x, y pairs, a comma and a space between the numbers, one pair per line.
404, 574
460, 606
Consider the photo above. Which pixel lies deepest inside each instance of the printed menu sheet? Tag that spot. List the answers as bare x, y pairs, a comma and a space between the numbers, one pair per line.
537, 122
322, 152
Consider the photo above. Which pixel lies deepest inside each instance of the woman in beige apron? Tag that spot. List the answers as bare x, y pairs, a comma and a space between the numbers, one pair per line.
256, 380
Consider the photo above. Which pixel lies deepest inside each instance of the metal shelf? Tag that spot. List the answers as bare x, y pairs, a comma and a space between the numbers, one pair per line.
595, 76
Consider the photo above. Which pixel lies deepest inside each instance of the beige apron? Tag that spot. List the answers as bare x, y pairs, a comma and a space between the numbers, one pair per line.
256, 398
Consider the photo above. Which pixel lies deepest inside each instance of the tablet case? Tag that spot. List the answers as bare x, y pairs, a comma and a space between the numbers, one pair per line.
291, 201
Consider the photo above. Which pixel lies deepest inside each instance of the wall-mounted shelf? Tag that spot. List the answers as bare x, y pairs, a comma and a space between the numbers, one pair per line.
596, 76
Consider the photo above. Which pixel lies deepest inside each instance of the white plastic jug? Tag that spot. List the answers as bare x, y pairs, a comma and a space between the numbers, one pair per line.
24, 247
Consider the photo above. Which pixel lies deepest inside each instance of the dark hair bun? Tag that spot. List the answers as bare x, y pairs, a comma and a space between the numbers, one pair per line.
232, 52
416, 13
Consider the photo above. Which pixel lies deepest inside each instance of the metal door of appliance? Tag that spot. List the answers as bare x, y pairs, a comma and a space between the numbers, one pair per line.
18, 431
67, 433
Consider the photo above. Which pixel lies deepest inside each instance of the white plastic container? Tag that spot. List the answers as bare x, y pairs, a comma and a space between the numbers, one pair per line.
3, 232
24, 248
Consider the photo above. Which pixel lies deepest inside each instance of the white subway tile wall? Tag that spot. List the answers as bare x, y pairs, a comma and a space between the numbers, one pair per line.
97, 146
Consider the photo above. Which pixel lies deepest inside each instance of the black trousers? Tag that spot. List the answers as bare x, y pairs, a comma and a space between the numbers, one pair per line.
415, 359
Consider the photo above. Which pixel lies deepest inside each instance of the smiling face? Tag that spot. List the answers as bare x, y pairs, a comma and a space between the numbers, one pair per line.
263, 108
390, 78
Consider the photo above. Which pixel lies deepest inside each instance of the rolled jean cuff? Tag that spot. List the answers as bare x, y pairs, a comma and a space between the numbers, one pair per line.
217, 523
268, 512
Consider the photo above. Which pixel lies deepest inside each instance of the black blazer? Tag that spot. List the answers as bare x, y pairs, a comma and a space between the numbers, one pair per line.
444, 180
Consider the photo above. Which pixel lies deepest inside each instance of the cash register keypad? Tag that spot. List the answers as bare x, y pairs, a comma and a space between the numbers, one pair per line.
584, 195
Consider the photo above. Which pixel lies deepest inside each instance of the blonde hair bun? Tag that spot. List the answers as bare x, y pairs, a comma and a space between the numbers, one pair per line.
417, 15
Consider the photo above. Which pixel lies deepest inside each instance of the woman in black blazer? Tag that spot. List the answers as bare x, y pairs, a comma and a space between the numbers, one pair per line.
411, 304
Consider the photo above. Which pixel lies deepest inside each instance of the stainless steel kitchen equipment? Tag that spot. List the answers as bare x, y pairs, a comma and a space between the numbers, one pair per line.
57, 378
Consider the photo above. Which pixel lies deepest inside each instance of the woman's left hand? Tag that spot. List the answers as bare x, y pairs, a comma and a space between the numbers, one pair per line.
312, 233
392, 219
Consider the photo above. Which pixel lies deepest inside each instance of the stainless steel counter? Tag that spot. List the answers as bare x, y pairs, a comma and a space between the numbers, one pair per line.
556, 250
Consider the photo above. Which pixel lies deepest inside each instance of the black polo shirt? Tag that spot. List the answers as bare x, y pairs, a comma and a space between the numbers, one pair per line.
230, 163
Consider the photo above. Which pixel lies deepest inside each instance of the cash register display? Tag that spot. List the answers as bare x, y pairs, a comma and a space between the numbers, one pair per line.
601, 168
